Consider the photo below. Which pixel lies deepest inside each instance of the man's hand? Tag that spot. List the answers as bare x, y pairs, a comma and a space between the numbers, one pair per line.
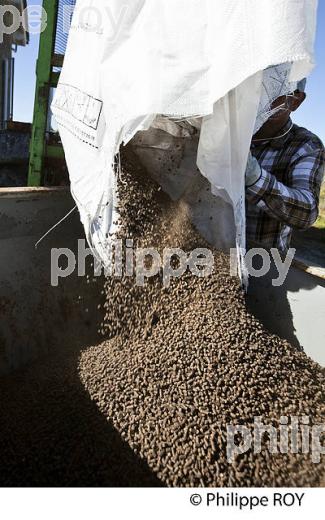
253, 171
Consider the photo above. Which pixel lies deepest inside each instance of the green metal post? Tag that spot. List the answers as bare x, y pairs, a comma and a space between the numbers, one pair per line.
42, 94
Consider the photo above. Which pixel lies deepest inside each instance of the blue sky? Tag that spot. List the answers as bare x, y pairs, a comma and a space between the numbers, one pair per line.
311, 114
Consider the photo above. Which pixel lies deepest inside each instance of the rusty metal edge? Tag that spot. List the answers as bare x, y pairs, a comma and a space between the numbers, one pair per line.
8, 193
301, 265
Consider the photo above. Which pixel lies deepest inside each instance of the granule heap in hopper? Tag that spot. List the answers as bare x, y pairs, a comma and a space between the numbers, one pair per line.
181, 363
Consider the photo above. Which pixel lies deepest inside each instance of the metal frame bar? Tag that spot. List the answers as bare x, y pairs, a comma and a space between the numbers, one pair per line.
42, 94
12, 85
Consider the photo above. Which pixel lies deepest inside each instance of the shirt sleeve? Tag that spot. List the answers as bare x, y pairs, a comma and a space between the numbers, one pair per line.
295, 205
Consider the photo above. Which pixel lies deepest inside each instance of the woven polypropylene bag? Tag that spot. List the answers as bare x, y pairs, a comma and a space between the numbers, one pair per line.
128, 61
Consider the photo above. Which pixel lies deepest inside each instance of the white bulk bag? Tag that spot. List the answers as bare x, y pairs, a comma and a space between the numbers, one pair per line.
128, 61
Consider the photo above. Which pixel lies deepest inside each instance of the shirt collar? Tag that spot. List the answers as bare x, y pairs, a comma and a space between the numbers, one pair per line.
279, 142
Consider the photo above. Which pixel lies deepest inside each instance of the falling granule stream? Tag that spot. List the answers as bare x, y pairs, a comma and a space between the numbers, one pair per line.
183, 363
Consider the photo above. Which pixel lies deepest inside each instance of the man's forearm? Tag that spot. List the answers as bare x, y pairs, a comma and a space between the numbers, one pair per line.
296, 207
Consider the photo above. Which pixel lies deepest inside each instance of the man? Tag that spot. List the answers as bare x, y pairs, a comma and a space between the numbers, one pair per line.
283, 178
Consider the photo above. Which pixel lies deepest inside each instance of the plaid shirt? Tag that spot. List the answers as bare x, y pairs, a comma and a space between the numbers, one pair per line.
287, 194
